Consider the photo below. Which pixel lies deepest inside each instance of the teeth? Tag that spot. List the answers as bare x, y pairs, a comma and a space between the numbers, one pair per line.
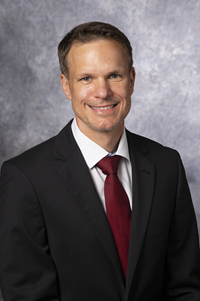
103, 108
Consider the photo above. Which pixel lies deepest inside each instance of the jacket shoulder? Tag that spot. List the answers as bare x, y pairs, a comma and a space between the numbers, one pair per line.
145, 144
40, 151
57, 146
150, 148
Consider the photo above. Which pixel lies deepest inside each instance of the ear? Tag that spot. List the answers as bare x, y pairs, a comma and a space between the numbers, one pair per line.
132, 79
65, 86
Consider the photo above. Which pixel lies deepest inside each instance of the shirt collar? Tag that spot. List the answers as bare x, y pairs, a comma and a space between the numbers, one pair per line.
92, 152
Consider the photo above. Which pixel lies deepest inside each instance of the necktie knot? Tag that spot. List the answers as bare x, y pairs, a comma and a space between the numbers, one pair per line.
109, 164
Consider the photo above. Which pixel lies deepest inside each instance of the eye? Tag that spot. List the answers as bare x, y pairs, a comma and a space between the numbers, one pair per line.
85, 79
114, 76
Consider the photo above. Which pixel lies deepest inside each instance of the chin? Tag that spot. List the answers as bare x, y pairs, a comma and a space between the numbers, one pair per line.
105, 128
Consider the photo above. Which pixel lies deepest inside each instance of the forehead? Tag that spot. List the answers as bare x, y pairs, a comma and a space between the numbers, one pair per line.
96, 53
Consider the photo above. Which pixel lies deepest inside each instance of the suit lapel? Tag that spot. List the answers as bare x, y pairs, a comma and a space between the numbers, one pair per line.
75, 174
143, 178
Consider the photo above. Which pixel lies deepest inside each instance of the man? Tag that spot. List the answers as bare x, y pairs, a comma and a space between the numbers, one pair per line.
73, 229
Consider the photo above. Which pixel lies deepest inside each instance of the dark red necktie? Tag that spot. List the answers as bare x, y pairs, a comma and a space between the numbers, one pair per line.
117, 207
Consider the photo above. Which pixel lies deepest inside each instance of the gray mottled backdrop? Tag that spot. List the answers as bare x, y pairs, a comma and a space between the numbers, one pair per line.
165, 35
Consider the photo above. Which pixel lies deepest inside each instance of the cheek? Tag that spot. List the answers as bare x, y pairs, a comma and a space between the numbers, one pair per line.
81, 95
122, 93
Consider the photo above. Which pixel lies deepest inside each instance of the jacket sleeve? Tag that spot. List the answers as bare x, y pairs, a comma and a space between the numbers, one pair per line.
183, 255
27, 271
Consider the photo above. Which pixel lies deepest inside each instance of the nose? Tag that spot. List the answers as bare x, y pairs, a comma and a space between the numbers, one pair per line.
102, 89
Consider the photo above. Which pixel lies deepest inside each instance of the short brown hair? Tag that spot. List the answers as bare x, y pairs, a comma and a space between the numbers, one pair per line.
87, 32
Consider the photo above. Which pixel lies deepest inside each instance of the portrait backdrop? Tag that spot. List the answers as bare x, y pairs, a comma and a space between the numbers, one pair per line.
165, 36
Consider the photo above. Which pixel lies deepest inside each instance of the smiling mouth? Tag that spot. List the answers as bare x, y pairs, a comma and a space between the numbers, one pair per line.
103, 108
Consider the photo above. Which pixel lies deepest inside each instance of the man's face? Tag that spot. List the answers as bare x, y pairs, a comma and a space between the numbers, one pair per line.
100, 85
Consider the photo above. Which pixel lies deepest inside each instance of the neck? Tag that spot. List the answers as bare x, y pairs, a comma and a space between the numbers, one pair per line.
108, 140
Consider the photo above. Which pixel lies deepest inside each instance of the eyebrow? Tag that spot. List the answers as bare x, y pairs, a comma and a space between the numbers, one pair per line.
90, 74
84, 75
120, 70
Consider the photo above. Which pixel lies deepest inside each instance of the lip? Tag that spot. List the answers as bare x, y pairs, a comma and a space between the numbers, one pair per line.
105, 109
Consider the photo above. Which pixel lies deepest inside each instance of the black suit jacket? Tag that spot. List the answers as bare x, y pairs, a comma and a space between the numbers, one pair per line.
56, 243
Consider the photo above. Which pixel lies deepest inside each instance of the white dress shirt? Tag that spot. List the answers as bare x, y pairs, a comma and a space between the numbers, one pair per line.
93, 153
